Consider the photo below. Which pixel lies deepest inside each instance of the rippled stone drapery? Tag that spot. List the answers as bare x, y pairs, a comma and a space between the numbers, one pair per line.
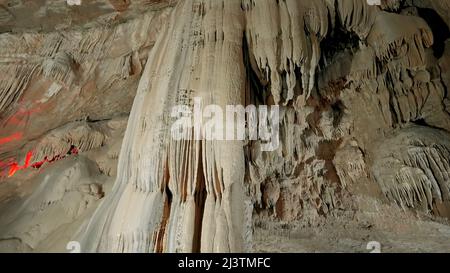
184, 196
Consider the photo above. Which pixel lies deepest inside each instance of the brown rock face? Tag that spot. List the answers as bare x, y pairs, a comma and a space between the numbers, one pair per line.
88, 152
120, 5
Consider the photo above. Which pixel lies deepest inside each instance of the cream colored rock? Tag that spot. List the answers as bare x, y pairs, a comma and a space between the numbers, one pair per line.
364, 123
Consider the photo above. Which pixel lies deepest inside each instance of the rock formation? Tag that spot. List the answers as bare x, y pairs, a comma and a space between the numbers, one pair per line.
364, 125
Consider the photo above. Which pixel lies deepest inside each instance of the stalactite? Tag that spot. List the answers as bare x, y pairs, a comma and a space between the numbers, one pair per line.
60, 141
357, 16
362, 93
13, 86
395, 35
193, 39
60, 68
284, 37
417, 175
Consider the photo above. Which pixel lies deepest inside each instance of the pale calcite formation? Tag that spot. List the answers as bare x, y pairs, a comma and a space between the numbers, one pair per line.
364, 121
413, 167
159, 204
165, 182
156, 204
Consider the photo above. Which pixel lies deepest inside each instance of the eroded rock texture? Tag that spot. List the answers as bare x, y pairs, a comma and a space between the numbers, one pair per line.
364, 125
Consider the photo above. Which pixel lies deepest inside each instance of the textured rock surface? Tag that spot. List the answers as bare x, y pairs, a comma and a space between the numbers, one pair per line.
364, 125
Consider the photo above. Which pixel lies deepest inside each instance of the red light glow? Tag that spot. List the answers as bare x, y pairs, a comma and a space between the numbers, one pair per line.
14, 166
13, 137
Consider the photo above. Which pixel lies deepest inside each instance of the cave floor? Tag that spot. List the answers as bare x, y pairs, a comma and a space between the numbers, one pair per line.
421, 237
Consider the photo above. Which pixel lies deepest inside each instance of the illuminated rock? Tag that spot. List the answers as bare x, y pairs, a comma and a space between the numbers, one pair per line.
364, 121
